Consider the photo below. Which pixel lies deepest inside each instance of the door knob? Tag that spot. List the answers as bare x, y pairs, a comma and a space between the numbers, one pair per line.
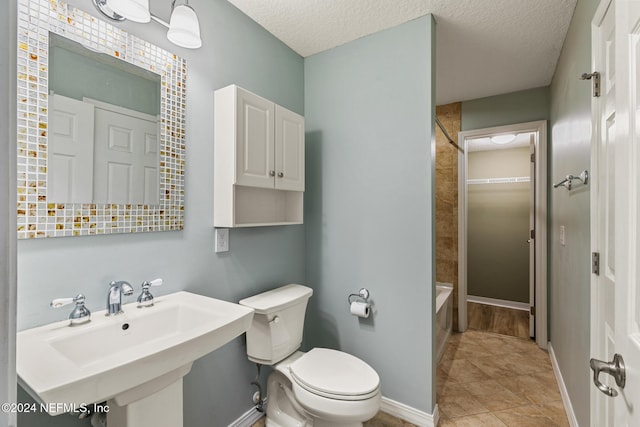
280, 174
615, 368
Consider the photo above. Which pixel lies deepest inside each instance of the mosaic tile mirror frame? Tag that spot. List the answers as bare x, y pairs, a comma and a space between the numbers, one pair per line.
39, 217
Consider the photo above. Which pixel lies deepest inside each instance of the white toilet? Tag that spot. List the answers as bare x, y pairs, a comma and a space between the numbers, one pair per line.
320, 388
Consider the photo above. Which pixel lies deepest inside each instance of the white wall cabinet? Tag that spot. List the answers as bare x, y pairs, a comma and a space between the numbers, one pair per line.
258, 160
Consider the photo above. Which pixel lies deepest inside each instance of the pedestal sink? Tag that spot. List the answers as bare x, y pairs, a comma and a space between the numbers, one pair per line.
135, 361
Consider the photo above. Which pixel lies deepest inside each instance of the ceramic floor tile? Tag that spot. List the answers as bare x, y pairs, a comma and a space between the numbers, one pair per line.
450, 388
499, 320
521, 345
471, 391
459, 404
442, 381
495, 344
527, 416
538, 355
493, 367
538, 388
480, 420
521, 364
487, 379
494, 396
463, 371
469, 350
555, 411
385, 420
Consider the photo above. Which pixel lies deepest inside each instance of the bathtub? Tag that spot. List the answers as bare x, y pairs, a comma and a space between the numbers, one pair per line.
444, 316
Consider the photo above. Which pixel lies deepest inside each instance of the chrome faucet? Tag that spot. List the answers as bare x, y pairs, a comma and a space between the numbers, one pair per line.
114, 296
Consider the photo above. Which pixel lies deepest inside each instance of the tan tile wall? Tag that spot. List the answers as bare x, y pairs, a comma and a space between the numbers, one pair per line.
447, 201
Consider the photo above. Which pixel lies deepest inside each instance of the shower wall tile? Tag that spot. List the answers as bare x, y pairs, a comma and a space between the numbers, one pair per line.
447, 200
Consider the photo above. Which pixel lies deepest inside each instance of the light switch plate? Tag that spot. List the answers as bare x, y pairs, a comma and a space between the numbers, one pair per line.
562, 235
222, 239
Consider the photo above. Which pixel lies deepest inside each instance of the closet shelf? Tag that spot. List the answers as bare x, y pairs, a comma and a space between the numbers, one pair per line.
509, 180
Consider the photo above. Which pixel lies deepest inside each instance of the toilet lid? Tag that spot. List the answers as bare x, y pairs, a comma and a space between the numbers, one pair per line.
335, 373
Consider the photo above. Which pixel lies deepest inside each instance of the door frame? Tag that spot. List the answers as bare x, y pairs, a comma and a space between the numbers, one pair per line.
8, 227
540, 129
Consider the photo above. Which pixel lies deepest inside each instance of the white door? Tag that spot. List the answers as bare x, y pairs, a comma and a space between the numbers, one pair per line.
255, 141
627, 181
289, 150
126, 157
70, 165
615, 224
603, 205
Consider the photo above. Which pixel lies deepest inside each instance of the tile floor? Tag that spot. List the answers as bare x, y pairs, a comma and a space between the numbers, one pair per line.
500, 320
490, 380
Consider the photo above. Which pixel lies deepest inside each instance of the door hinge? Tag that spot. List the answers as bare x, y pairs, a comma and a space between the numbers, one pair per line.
595, 263
532, 234
595, 77
532, 310
533, 157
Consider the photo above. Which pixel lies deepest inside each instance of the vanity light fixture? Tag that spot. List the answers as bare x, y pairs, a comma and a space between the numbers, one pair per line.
184, 27
133, 10
503, 139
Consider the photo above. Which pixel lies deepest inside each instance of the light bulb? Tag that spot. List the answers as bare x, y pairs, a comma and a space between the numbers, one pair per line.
184, 28
503, 139
134, 10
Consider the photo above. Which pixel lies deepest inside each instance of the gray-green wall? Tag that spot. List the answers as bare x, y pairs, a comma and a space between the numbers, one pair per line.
498, 225
517, 107
78, 75
569, 297
369, 217
235, 50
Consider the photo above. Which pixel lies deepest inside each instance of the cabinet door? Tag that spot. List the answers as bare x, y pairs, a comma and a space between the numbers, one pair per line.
255, 150
289, 155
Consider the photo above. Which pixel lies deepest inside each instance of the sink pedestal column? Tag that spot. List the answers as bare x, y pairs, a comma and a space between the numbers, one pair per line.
162, 408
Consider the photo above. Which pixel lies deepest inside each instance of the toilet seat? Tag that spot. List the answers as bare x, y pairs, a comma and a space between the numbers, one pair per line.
335, 375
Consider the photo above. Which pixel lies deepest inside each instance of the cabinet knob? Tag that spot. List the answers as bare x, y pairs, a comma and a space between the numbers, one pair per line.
272, 173
280, 174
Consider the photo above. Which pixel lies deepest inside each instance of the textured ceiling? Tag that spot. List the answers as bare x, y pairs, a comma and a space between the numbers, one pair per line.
484, 47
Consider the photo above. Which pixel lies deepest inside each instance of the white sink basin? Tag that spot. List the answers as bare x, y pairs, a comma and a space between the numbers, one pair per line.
128, 356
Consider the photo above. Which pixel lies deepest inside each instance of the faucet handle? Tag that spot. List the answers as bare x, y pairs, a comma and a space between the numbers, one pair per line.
61, 302
80, 313
154, 282
146, 299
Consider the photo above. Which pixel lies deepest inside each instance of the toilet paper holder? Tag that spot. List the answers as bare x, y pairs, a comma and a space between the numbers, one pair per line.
363, 294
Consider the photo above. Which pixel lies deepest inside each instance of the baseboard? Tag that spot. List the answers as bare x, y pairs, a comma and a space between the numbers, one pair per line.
566, 401
407, 413
524, 306
248, 418
391, 407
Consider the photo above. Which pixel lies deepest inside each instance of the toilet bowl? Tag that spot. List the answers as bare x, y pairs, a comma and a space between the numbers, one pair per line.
320, 388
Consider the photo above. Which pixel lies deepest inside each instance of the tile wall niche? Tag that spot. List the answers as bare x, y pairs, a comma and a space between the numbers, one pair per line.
447, 200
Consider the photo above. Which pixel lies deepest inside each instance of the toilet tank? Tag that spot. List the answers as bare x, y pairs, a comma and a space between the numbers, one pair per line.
278, 321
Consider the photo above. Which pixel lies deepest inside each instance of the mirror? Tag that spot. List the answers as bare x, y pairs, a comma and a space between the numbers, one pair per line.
104, 115
80, 77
